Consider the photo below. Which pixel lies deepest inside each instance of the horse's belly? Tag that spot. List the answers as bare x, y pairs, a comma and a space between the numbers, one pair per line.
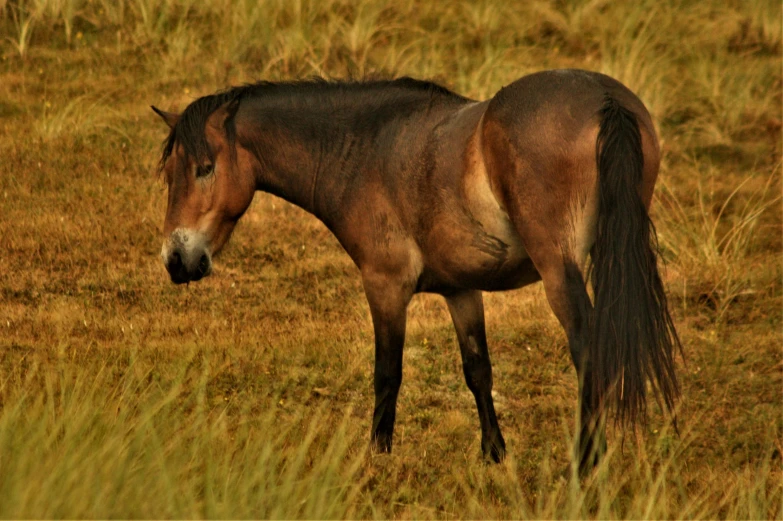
492, 263
477, 258
496, 274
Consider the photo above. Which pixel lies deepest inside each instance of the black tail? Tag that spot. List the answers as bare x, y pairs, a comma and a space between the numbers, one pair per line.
632, 335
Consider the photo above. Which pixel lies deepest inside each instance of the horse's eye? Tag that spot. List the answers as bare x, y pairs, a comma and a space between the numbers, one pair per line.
205, 170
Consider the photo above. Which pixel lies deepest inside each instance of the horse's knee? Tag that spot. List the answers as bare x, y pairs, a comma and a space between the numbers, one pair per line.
478, 375
387, 385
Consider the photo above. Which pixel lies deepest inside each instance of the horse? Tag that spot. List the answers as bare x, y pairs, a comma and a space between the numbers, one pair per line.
430, 191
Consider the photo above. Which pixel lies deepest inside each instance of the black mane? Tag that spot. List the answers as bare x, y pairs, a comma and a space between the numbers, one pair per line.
189, 130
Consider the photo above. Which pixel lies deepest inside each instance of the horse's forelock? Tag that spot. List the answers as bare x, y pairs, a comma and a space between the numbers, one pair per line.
191, 125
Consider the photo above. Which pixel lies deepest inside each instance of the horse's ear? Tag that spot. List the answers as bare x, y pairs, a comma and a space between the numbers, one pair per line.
169, 117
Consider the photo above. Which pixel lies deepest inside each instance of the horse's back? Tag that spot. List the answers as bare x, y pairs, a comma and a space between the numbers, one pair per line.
547, 116
564, 94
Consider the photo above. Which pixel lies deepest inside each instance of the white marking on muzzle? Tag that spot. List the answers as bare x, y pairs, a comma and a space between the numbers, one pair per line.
190, 244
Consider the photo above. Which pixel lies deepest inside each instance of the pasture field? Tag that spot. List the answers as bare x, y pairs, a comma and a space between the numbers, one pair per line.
249, 394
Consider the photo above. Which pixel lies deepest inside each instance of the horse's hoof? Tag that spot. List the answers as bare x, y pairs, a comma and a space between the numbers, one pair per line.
590, 456
381, 444
494, 451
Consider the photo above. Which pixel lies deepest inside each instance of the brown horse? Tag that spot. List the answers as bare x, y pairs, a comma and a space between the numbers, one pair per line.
429, 191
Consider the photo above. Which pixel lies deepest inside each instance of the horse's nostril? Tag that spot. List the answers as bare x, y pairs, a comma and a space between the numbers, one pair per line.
203, 264
175, 263
176, 268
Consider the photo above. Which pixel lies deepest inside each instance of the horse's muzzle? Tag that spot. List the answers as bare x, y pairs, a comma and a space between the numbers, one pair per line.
181, 272
186, 257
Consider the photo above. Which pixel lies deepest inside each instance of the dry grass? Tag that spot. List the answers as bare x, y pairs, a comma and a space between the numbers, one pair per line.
249, 394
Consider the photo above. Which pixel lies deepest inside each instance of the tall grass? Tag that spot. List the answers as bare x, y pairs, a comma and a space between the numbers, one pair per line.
121, 443
126, 440
80, 116
712, 244
23, 17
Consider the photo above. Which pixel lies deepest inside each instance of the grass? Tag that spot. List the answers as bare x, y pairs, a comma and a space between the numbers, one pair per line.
249, 394
121, 443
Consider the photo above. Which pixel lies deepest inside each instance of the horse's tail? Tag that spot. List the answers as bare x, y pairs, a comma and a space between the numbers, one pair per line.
632, 337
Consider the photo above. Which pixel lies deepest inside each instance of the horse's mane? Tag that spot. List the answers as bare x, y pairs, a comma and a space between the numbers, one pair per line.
189, 129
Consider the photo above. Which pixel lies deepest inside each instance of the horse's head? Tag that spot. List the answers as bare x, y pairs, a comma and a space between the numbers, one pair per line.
211, 183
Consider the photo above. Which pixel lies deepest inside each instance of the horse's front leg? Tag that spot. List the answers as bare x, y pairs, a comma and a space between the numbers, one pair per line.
467, 312
388, 299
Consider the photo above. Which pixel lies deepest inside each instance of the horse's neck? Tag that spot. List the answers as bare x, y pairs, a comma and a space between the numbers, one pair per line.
288, 167
310, 166
310, 155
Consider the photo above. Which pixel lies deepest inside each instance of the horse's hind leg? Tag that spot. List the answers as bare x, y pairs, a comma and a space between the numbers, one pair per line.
467, 312
567, 296
558, 258
547, 179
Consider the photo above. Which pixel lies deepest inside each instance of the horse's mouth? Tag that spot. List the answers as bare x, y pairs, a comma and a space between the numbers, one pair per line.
180, 274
